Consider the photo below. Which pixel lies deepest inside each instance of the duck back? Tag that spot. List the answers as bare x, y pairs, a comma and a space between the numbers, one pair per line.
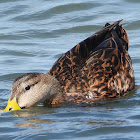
97, 68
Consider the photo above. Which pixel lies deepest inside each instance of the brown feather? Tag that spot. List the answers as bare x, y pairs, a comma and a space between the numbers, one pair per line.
97, 68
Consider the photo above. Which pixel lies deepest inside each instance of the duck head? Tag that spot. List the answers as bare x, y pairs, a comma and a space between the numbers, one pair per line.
32, 89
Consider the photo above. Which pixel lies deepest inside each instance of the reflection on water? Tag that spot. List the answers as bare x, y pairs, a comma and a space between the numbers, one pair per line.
33, 111
33, 122
108, 123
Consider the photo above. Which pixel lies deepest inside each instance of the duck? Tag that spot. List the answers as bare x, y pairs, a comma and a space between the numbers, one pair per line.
98, 68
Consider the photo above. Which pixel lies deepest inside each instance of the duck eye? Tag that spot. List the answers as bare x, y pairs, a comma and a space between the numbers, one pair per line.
27, 88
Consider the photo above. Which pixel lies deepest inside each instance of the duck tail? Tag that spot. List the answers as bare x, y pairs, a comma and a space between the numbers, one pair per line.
111, 26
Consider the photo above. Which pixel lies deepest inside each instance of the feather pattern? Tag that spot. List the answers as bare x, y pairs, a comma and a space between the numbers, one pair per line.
97, 68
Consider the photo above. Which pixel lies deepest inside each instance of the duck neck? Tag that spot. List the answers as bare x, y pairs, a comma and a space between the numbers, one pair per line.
57, 94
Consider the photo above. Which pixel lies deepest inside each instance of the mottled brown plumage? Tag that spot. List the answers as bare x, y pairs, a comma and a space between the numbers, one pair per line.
97, 68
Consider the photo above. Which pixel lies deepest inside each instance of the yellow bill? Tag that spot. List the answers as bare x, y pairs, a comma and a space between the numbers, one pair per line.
11, 105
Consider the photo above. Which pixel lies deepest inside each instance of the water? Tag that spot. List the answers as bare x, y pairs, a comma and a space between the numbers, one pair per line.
33, 35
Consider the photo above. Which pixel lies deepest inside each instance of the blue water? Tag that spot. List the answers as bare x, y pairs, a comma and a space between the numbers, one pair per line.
33, 35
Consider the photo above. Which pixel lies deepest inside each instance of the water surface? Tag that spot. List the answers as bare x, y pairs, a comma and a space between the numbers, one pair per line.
33, 35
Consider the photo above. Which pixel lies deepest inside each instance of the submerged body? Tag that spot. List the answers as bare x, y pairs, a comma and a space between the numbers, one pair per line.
98, 68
